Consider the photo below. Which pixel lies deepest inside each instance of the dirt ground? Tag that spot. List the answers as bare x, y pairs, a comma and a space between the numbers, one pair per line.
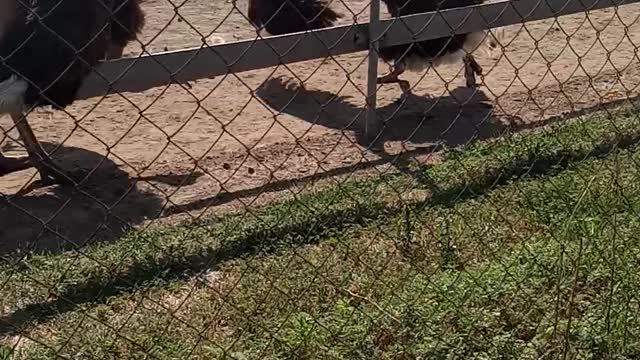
180, 153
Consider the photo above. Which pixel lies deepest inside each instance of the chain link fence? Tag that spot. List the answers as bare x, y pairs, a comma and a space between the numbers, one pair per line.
408, 180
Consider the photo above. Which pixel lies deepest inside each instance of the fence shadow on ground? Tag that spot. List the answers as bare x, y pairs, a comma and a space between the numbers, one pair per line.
59, 218
477, 122
462, 116
426, 122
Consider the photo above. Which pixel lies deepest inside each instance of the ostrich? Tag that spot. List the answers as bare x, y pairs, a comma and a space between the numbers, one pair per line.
47, 49
279, 17
414, 56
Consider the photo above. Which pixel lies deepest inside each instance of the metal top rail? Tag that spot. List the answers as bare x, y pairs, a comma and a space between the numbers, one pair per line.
149, 71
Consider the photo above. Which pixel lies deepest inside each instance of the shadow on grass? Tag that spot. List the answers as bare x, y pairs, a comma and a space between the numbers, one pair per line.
534, 165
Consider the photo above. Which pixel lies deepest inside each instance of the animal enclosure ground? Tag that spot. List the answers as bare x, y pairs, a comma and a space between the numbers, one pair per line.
179, 152
527, 249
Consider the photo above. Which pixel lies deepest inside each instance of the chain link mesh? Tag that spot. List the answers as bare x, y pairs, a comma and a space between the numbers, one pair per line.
246, 216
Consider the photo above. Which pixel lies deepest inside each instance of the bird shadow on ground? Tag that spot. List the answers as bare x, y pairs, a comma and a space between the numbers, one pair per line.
426, 122
423, 122
101, 208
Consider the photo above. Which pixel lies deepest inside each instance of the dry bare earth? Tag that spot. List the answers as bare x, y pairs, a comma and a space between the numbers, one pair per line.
177, 150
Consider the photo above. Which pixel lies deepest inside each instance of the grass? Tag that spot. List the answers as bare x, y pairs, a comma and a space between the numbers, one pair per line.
519, 248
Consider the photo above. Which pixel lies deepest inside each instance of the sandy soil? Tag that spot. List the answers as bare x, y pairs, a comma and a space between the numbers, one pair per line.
177, 153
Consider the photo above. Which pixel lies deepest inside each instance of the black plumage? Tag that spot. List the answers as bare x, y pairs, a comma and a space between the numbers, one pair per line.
279, 17
47, 49
129, 21
428, 49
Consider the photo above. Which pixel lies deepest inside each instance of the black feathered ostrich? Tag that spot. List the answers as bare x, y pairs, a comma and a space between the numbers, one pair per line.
279, 17
47, 49
414, 56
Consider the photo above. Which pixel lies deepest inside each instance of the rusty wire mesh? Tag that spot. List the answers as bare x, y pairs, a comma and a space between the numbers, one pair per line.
248, 216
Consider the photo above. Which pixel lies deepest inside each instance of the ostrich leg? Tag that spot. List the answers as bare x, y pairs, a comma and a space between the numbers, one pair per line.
471, 68
392, 78
49, 172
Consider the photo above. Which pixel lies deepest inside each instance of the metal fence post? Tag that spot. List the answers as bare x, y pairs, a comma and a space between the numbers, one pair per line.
372, 126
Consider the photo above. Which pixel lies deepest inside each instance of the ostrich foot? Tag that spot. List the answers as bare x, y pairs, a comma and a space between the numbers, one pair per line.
51, 174
393, 78
10, 165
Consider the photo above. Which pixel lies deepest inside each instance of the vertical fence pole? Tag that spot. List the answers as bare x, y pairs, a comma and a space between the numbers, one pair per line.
372, 126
